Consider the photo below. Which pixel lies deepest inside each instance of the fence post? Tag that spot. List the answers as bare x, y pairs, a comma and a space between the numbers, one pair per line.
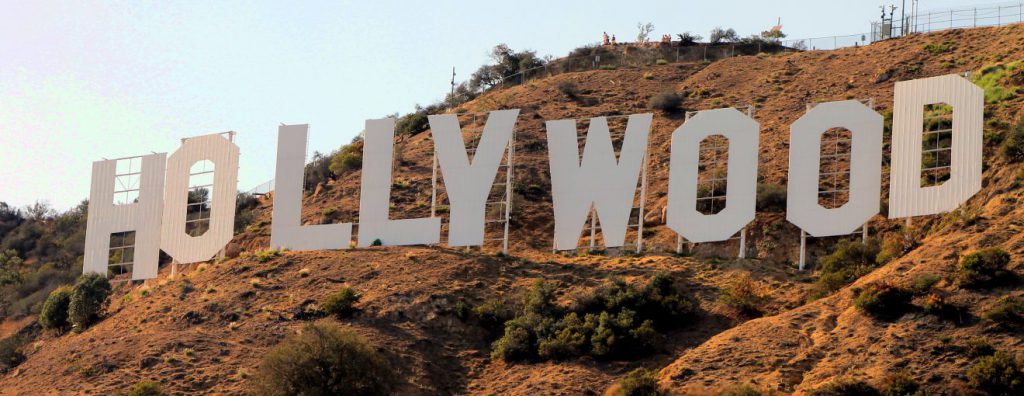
999, 17
975, 16
950, 19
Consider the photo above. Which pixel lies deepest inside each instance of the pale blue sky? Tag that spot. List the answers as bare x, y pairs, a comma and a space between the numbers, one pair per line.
80, 81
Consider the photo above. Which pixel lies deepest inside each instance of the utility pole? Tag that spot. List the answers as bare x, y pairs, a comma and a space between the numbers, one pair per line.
903, 19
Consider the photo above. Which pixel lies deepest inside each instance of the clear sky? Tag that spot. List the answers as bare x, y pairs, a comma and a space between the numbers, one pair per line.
81, 81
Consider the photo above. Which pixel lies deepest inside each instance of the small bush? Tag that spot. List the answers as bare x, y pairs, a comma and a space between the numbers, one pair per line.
88, 298
412, 123
845, 388
998, 374
741, 294
324, 360
900, 384
54, 315
977, 348
1008, 313
1013, 144
349, 158
146, 388
516, 344
10, 353
667, 101
982, 268
771, 197
639, 382
883, 301
925, 283
847, 262
895, 245
267, 255
938, 48
569, 89
342, 303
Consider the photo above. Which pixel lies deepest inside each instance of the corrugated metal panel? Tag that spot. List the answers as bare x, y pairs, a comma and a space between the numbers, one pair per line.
174, 240
142, 217
906, 197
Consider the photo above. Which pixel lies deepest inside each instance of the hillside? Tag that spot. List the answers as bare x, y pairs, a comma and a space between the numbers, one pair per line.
207, 331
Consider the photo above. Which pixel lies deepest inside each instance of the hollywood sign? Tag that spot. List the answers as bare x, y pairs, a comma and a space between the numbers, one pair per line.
158, 210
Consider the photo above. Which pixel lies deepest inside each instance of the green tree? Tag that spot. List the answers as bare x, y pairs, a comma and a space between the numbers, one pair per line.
55, 310
87, 300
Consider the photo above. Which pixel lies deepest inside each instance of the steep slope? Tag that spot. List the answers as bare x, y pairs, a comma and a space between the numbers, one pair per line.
207, 330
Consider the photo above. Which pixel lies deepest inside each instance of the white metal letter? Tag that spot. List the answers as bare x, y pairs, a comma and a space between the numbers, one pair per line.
375, 195
741, 186
601, 181
802, 207
142, 216
286, 229
906, 197
223, 153
468, 183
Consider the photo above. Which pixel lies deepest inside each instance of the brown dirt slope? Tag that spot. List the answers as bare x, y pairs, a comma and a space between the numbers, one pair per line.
206, 331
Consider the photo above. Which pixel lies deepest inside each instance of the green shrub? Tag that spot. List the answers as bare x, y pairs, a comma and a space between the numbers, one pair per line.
1013, 144
993, 80
771, 197
55, 310
978, 347
493, 312
342, 303
615, 320
516, 344
845, 388
998, 374
412, 123
938, 48
10, 352
146, 388
895, 245
741, 294
925, 283
982, 268
349, 158
901, 384
936, 304
666, 101
883, 301
324, 360
569, 89
639, 382
847, 262
88, 298
1008, 313
267, 255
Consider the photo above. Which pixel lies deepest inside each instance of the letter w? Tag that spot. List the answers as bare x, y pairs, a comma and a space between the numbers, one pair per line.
601, 181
